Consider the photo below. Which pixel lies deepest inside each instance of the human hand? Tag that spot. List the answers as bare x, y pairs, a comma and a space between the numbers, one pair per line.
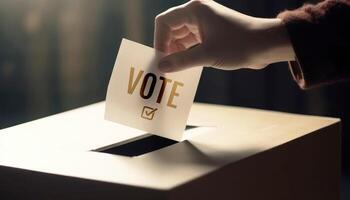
205, 33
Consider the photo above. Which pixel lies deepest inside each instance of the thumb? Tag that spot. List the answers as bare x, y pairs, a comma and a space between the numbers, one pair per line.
182, 60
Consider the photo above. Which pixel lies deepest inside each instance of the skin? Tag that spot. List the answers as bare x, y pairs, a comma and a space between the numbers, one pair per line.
205, 33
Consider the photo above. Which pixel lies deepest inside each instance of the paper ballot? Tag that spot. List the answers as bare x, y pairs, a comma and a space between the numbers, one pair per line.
142, 97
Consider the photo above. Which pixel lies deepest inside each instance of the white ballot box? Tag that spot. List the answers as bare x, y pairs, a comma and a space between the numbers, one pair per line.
228, 153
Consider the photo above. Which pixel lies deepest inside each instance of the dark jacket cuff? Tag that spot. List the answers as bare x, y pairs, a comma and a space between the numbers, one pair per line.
320, 40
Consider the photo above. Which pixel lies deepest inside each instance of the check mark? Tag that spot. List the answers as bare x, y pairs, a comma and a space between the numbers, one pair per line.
151, 112
148, 112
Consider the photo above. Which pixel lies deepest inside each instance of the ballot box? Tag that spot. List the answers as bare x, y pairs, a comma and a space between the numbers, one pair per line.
228, 153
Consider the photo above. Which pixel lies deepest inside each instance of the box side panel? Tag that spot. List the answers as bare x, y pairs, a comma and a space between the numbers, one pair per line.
24, 184
306, 168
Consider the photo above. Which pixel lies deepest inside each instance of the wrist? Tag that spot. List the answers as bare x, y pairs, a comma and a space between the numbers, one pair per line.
274, 39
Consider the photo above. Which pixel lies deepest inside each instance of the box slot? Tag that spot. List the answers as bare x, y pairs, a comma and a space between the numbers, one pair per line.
140, 145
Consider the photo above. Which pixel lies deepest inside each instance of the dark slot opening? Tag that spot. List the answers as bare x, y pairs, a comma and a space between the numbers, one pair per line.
139, 146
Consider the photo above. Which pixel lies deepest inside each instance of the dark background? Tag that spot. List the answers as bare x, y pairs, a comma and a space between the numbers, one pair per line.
58, 55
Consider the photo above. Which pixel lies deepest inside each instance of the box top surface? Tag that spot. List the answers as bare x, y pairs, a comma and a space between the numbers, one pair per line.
62, 144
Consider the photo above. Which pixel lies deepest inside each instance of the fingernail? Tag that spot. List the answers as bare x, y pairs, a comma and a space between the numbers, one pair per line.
165, 66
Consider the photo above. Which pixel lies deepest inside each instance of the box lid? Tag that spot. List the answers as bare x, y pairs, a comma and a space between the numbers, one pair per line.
62, 144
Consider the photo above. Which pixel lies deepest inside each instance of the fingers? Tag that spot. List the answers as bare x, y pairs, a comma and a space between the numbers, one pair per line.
176, 31
188, 41
182, 43
184, 59
180, 33
162, 36
168, 24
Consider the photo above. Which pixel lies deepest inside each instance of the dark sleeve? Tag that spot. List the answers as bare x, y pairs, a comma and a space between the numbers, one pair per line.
320, 38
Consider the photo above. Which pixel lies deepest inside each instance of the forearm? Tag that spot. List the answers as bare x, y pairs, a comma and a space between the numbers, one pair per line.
274, 41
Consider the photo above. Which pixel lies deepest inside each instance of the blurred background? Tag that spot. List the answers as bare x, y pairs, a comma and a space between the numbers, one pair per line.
58, 55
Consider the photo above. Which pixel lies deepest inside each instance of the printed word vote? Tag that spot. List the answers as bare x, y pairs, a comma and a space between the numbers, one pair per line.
151, 80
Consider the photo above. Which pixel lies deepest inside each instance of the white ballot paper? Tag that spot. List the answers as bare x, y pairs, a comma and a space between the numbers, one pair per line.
142, 97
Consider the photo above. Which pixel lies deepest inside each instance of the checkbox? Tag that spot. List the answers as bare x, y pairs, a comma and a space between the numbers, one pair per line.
148, 112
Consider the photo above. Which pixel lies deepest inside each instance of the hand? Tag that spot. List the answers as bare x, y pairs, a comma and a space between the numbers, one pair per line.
205, 33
